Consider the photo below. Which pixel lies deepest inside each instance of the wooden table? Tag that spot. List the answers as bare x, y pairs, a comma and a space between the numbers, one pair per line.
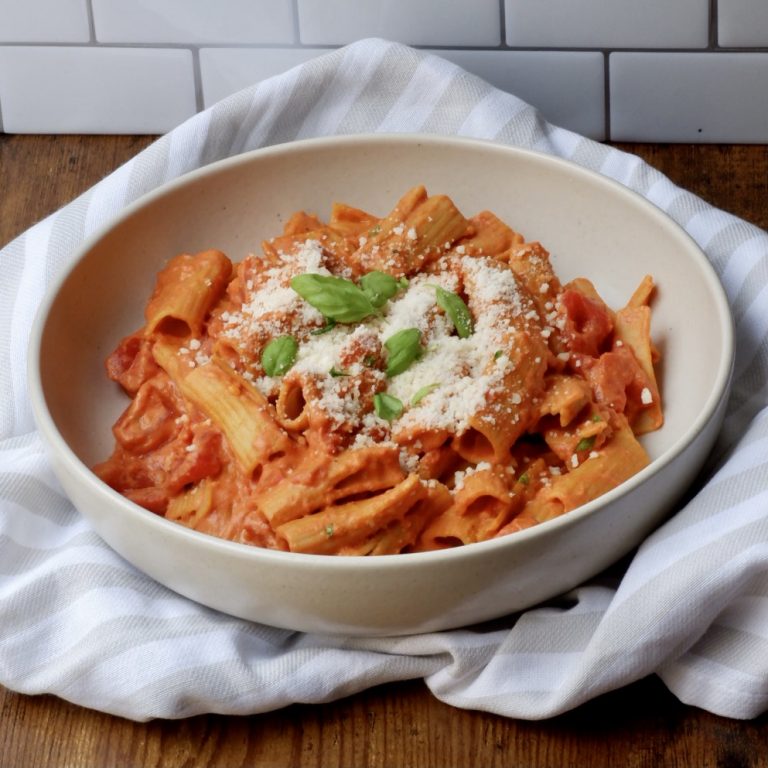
397, 724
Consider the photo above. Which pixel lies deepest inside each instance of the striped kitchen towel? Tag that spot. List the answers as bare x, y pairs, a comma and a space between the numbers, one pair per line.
691, 605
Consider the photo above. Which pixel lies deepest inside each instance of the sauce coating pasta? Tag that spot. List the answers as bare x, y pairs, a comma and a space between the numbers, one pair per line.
377, 385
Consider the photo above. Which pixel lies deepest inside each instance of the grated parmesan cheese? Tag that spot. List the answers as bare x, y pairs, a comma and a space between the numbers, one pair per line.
467, 371
460, 476
274, 308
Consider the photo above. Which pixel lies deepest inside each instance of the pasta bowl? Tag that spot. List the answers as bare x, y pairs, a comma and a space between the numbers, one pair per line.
592, 227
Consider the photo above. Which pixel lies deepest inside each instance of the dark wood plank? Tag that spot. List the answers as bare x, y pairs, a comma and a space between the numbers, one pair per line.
731, 177
640, 726
39, 174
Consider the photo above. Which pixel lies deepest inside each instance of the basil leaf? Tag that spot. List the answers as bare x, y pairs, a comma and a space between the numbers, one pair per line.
457, 310
378, 287
386, 406
423, 392
585, 444
335, 297
279, 355
403, 347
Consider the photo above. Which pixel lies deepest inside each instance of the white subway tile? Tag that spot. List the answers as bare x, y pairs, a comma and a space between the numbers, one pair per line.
568, 87
193, 21
420, 22
51, 89
44, 21
689, 97
608, 23
742, 23
226, 70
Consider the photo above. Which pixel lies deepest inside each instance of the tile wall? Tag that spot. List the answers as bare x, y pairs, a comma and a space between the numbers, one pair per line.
635, 70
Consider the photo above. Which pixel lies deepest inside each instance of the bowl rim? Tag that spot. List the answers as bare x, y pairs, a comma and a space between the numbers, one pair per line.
56, 442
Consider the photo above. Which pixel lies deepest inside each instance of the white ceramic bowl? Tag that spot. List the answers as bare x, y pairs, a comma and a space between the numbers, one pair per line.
592, 226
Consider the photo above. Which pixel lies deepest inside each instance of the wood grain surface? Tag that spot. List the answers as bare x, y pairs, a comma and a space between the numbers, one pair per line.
640, 726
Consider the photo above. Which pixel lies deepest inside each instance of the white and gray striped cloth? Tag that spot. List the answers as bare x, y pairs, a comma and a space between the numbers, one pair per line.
691, 605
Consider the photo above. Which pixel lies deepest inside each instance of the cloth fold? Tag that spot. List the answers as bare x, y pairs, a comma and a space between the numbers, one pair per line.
691, 605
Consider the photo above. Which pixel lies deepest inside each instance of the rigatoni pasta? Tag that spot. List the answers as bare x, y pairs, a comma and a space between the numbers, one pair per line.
380, 384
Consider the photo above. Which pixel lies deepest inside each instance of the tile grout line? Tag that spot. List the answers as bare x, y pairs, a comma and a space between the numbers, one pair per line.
96, 45
296, 25
197, 77
607, 94
91, 21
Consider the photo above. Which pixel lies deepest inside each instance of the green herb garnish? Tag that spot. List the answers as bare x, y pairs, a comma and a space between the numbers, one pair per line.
457, 310
335, 372
337, 298
329, 530
279, 355
404, 347
386, 406
329, 326
420, 394
524, 479
379, 287
585, 444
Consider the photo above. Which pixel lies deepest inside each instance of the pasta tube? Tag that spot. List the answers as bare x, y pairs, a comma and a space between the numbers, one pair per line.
416, 232
338, 527
324, 480
239, 410
185, 292
617, 460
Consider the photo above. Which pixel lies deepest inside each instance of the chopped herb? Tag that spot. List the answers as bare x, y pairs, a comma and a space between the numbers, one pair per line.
457, 310
329, 530
379, 287
596, 417
404, 347
423, 392
335, 372
524, 479
337, 298
386, 406
369, 361
375, 230
498, 353
585, 444
329, 326
279, 355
